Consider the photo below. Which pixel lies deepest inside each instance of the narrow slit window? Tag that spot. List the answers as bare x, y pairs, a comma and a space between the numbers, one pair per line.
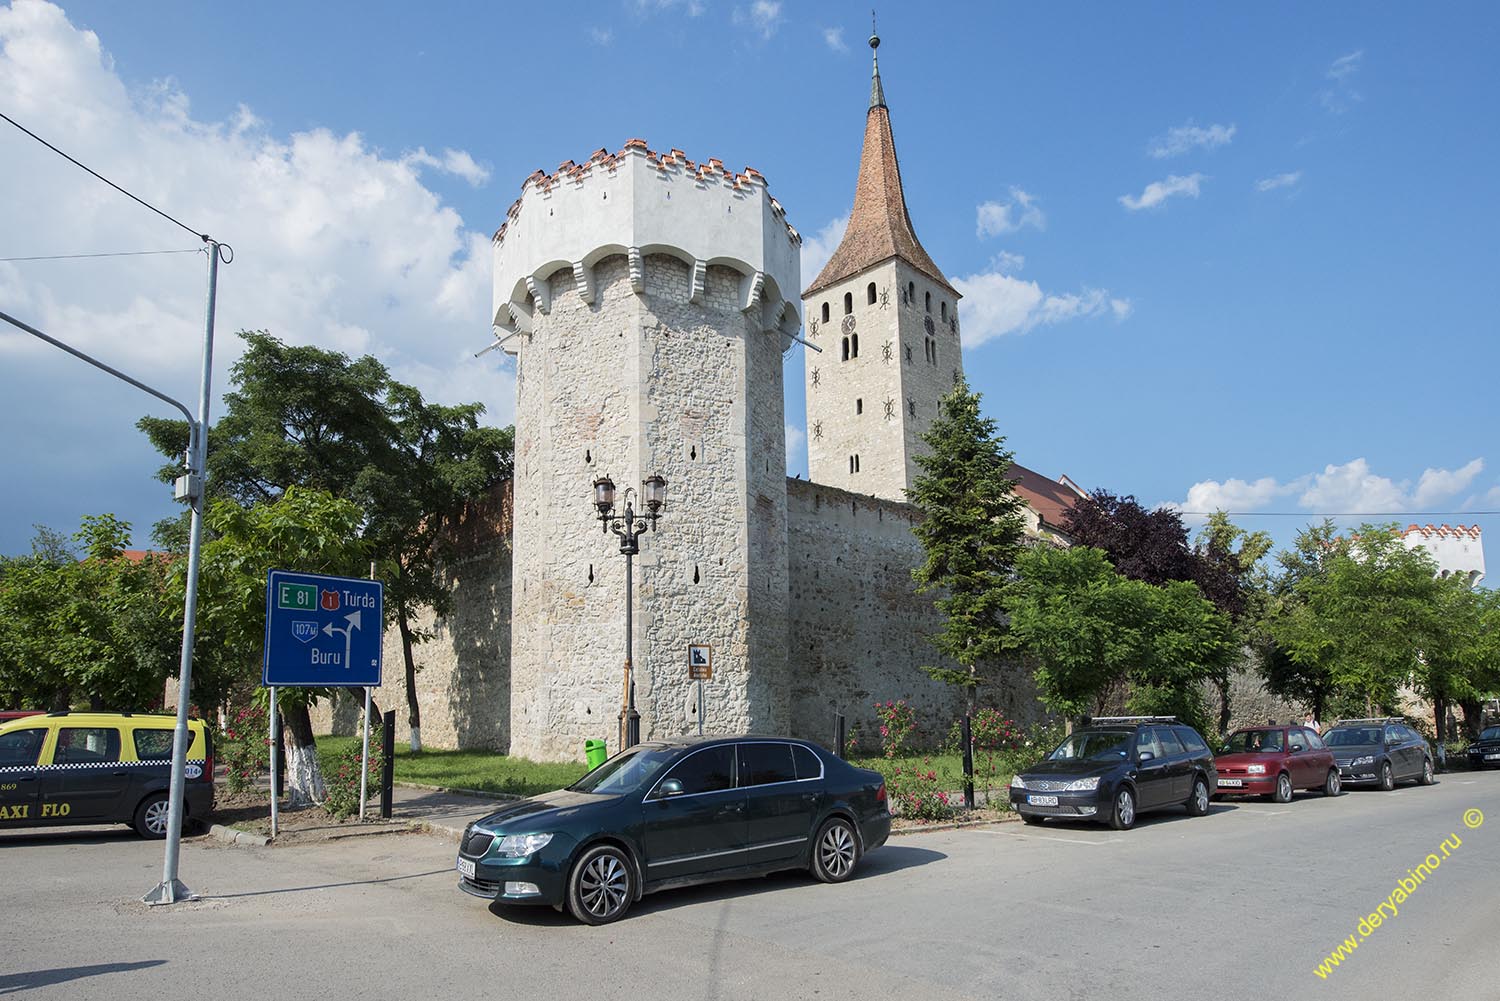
929, 302
859, 406
825, 312
853, 345
846, 349
848, 303
943, 311
870, 294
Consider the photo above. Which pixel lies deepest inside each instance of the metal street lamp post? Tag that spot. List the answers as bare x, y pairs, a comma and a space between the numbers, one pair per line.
629, 526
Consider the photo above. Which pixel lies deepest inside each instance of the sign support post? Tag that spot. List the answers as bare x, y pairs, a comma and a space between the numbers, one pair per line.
364, 761
275, 761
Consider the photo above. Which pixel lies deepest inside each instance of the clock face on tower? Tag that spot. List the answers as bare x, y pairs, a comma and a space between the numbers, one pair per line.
848, 325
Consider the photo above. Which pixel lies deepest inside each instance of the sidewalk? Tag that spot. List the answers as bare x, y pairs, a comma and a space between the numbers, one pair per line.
442, 812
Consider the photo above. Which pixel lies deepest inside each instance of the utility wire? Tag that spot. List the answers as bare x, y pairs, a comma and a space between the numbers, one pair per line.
121, 253
202, 236
1347, 514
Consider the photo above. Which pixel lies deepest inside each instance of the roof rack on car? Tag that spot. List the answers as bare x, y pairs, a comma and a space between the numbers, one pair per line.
1134, 719
1383, 720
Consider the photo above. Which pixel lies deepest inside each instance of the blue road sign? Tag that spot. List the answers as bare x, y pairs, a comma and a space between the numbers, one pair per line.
322, 631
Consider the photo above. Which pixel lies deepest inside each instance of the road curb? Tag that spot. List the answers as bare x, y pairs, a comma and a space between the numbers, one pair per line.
234, 836
933, 828
476, 793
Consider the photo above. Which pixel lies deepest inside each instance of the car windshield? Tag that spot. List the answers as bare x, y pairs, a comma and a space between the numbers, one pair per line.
626, 771
1352, 736
1490, 733
1093, 745
1251, 741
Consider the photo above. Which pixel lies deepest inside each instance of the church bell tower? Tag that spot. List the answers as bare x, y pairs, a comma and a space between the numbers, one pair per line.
886, 320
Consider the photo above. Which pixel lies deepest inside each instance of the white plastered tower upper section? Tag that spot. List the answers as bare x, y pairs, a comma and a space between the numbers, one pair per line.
638, 202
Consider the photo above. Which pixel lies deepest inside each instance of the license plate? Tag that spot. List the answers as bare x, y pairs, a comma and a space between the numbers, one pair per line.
1232, 783
465, 868
1492, 757
1041, 800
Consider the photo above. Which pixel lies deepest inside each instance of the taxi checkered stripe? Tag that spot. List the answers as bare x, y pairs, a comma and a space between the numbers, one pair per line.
95, 764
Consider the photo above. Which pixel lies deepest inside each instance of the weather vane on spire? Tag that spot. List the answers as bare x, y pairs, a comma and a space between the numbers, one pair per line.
877, 93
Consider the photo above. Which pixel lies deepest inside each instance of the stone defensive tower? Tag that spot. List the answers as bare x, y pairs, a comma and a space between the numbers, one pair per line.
887, 321
645, 298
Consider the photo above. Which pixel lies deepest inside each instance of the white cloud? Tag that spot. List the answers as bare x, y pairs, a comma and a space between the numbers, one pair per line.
1185, 138
1492, 496
336, 243
1007, 262
995, 218
1352, 488
819, 247
1158, 192
796, 447
453, 161
1339, 96
1436, 485
996, 304
1287, 180
601, 36
762, 16
834, 39
692, 8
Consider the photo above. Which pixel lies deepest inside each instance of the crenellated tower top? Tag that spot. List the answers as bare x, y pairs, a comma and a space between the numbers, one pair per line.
639, 202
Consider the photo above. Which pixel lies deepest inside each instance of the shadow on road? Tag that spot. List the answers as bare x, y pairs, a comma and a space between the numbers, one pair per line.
14, 983
71, 836
891, 858
327, 886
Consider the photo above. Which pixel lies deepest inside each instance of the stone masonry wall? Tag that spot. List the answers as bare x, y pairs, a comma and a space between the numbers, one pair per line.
859, 629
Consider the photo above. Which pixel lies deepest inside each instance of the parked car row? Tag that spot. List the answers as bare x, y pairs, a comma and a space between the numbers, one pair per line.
1116, 768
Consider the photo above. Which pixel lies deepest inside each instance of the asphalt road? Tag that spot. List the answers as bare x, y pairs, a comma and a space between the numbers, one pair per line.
1243, 903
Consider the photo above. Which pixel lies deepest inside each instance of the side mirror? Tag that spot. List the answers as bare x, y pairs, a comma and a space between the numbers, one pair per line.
1298, 748
1145, 756
668, 788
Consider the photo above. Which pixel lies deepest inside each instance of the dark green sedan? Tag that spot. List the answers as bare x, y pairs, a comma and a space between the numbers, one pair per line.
675, 812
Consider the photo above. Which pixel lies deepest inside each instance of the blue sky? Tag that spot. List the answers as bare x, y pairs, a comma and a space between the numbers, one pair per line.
1214, 256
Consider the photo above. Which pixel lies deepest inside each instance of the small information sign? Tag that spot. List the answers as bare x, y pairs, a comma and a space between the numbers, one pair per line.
700, 662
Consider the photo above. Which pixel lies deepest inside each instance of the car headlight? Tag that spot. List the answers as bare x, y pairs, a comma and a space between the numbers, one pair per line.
1368, 759
521, 845
1017, 782
1256, 769
1083, 785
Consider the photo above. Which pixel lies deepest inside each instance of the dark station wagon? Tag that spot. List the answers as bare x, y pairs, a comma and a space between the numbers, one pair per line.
676, 812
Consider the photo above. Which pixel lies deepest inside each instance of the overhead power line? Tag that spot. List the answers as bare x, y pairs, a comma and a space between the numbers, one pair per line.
115, 253
1348, 514
172, 219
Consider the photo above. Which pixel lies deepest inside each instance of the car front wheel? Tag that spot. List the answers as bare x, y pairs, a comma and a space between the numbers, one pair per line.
601, 886
1283, 793
1387, 777
835, 852
1197, 804
1122, 816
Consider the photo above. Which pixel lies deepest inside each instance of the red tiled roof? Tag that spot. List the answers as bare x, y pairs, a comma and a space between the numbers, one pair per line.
1050, 498
879, 227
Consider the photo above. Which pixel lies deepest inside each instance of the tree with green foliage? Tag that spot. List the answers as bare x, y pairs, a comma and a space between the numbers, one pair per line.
1363, 615
1228, 570
971, 532
1095, 637
304, 416
1285, 622
307, 531
1460, 664
96, 628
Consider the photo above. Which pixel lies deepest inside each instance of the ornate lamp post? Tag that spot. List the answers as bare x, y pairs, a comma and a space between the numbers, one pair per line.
629, 526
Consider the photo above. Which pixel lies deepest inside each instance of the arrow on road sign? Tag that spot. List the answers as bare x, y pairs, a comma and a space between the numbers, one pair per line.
353, 618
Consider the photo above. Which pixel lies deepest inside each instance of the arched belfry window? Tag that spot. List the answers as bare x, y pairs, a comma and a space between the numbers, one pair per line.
911, 292
929, 302
943, 308
848, 303
825, 312
846, 349
870, 294
853, 345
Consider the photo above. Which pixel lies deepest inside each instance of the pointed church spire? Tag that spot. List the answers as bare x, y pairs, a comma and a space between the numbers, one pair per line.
877, 93
879, 227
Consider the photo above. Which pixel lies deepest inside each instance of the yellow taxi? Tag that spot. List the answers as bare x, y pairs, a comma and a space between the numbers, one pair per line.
99, 768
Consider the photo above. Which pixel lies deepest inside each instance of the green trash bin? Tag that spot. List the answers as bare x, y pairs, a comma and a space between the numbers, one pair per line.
594, 752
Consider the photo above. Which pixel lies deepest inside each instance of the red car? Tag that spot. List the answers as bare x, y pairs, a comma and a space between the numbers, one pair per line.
10, 714
1274, 761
